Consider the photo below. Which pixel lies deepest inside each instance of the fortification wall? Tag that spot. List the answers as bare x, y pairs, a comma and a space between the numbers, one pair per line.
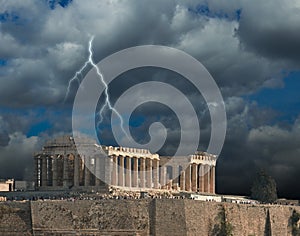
141, 217
106, 217
15, 219
246, 220
168, 217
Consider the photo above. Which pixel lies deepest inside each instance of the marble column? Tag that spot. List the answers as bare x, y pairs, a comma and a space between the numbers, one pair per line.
212, 179
149, 173
121, 172
87, 173
206, 178
155, 173
81, 170
170, 184
97, 171
194, 177
201, 178
54, 171
135, 172
182, 181
44, 170
114, 176
49, 171
65, 171
142, 172
37, 172
175, 174
128, 172
163, 176
188, 178
76, 170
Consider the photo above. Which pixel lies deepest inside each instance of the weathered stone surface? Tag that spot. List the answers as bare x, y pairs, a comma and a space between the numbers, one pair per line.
167, 217
15, 218
96, 217
140, 217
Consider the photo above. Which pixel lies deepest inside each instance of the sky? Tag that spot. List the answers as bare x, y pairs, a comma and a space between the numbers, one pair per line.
251, 49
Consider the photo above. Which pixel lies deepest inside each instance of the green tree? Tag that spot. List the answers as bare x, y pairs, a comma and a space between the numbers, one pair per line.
223, 227
294, 222
264, 188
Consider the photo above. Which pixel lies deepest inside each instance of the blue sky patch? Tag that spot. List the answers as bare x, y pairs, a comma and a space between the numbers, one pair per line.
136, 121
9, 17
204, 10
36, 129
63, 3
238, 14
3, 62
285, 100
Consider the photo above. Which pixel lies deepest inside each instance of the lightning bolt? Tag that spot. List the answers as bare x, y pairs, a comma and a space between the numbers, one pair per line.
107, 103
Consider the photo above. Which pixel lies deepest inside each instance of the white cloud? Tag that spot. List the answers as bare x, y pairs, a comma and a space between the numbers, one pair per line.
17, 156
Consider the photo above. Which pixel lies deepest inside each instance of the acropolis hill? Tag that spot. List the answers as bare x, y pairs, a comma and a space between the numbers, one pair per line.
141, 217
143, 196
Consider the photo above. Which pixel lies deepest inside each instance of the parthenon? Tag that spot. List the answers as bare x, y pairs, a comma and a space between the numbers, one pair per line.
59, 166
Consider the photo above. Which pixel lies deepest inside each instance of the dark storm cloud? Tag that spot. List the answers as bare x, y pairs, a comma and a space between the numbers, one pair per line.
16, 158
4, 135
251, 145
274, 32
48, 46
4, 138
42, 47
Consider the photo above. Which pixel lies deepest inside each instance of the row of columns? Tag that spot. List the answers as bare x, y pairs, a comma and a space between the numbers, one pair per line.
126, 171
135, 172
66, 171
198, 178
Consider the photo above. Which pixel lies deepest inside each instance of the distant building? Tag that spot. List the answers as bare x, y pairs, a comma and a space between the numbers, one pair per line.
7, 185
203, 197
24, 185
238, 199
3, 198
283, 201
58, 166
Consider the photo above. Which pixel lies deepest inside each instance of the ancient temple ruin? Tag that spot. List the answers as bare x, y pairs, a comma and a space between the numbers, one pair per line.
58, 166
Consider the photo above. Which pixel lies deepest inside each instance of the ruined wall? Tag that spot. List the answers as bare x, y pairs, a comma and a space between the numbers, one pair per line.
141, 217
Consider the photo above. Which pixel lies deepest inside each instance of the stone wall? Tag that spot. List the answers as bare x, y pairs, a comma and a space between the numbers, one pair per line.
107, 217
168, 217
141, 217
15, 219
245, 220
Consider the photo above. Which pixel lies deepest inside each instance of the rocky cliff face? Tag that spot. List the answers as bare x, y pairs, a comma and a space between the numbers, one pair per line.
142, 217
